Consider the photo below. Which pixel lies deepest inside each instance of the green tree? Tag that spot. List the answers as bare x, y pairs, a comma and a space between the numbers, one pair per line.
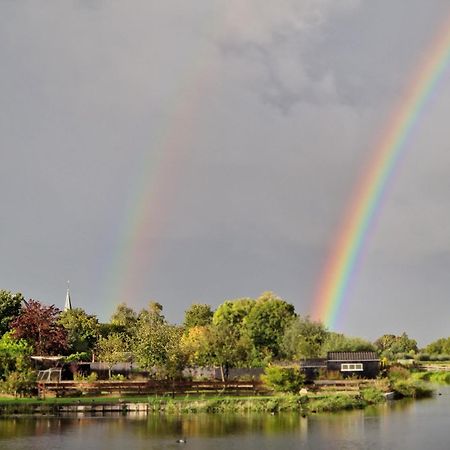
233, 313
16, 375
175, 358
197, 315
439, 347
153, 314
105, 329
266, 322
124, 317
391, 346
385, 342
21, 383
230, 318
195, 346
82, 330
216, 345
157, 346
283, 379
337, 342
404, 344
14, 355
304, 338
113, 349
227, 348
10, 307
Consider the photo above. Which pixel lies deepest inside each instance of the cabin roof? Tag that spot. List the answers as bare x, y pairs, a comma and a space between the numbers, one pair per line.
313, 363
352, 356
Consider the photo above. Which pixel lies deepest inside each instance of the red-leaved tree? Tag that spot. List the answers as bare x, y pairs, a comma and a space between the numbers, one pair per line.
38, 324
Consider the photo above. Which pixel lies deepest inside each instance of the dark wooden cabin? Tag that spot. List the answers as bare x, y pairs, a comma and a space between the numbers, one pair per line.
348, 364
361, 364
312, 368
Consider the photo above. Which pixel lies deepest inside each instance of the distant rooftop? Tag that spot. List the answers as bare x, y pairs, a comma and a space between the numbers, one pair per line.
352, 356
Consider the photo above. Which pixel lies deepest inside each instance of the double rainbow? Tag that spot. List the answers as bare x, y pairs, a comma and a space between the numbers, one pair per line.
368, 195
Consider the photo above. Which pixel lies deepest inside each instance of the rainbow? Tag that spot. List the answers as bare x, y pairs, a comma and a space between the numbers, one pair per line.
368, 196
156, 186
145, 217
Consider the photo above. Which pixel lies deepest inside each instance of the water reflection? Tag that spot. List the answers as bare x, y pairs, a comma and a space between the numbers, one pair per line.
400, 425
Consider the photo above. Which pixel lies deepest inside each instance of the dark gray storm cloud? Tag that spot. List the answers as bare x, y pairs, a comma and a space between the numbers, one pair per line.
285, 101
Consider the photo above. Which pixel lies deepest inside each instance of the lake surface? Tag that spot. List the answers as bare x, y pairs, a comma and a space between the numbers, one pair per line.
410, 425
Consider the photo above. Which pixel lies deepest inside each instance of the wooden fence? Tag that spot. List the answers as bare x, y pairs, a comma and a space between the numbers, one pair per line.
151, 387
435, 368
343, 385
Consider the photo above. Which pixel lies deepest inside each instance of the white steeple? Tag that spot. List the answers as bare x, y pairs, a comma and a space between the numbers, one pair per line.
68, 304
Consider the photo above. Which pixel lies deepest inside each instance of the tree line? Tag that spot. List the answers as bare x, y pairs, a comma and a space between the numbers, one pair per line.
243, 332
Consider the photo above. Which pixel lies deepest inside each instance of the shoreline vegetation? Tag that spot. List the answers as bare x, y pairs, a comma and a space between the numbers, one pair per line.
279, 351
302, 404
306, 403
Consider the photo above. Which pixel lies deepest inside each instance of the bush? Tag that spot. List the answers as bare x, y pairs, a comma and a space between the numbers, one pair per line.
398, 373
283, 379
76, 357
372, 395
325, 374
441, 377
433, 377
87, 378
423, 376
19, 383
118, 377
412, 388
336, 402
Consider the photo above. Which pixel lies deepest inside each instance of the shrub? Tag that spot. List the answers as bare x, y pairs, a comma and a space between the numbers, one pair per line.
92, 377
283, 379
88, 378
336, 402
118, 377
372, 395
433, 377
412, 388
331, 375
423, 376
76, 357
398, 373
19, 383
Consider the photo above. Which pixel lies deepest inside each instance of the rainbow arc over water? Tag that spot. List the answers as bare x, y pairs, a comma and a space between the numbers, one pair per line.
368, 196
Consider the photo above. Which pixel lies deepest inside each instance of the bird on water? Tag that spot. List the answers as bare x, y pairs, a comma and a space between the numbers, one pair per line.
181, 441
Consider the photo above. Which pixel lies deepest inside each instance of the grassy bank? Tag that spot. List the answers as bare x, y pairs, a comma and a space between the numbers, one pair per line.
412, 388
432, 377
304, 404
402, 382
271, 404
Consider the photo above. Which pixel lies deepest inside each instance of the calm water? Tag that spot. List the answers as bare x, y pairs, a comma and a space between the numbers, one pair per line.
408, 425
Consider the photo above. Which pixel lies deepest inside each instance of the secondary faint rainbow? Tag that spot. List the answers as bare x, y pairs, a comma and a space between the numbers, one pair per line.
154, 195
154, 191
368, 195
158, 183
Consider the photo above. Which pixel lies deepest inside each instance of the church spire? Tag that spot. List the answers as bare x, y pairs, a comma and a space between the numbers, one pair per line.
68, 304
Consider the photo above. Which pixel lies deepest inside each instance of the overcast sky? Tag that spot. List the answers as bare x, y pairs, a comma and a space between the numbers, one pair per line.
197, 151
